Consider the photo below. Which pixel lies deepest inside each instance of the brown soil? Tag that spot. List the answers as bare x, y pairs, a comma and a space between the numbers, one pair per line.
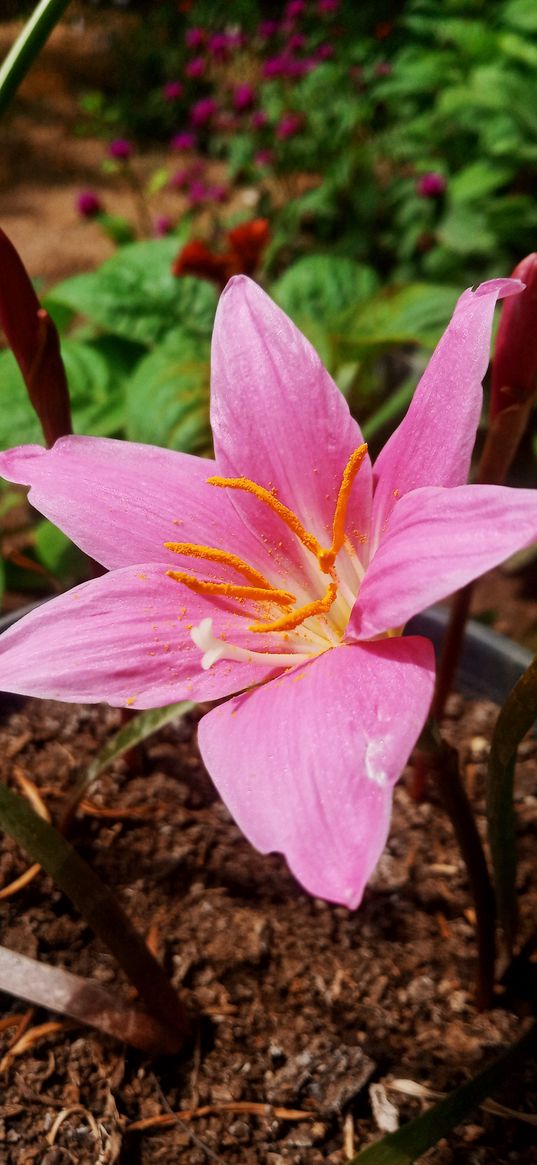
44, 163
305, 1006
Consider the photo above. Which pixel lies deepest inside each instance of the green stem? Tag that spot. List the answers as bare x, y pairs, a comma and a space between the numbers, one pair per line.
515, 719
27, 47
100, 909
415, 1138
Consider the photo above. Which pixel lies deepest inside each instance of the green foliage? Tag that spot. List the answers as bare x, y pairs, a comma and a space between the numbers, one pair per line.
323, 288
411, 1141
135, 295
167, 397
57, 554
416, 314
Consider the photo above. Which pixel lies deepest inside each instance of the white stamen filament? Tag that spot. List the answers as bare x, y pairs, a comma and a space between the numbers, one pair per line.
215, 649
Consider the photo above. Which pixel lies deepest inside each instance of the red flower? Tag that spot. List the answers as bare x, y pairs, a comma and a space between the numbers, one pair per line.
246, 244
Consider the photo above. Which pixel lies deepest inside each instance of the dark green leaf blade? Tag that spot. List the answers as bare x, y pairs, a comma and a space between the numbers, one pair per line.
515, 719
415, 1138
135, 295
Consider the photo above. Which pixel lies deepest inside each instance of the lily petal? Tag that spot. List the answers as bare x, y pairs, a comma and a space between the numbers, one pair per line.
121, 501
125, 638
433, 444
307, 763
438, 540
279, 419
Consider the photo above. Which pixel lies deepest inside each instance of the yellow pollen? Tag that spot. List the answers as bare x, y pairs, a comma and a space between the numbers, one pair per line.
328, 557
260, 589
291, 521
231, 591
288, 622
227, 559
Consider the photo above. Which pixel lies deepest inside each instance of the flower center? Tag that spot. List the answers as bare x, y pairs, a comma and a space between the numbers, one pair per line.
256, 586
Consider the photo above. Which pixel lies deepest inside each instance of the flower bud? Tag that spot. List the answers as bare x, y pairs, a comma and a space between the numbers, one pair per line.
514, 369
35, 344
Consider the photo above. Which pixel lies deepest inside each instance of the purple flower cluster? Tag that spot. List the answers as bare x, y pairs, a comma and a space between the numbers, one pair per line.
431, 185
191, 182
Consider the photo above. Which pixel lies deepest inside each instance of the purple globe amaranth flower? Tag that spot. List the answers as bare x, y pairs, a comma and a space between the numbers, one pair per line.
267, 29
197, 192
243, 97
283, 571
289, 125
196, 67
173, 90
296, 42
274, 67
219, 45
184, 140
264, 158
88, 204
324, 51
259, 119
300, 67
120, 149
431, 185
326, 7
202, 111
217, 192
162, 225
294, 9
383, 69
195, 37
179, 179
514, 368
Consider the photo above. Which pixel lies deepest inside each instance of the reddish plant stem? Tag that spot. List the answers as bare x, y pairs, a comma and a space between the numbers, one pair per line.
444, 763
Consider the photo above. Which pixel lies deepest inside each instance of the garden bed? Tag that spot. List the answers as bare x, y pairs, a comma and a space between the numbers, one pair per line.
303, 1005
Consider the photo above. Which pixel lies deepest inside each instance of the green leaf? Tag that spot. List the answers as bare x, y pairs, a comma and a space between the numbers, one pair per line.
476, 180
516, 718
519, 48
142, 725
98, 905
158, 180
464, 232
117, 228
97, 399
323, 288
415, 1138
168, 396
27, 47
414, 314
521, 14
18, 422
135, 295
391, 409
57, 553
96, 396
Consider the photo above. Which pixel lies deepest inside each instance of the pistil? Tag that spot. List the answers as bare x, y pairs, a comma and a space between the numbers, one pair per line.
259, 589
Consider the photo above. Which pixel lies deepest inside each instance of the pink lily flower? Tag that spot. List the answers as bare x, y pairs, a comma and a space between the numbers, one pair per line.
284, 571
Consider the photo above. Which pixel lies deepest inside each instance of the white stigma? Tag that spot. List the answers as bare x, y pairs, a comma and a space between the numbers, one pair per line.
216, 649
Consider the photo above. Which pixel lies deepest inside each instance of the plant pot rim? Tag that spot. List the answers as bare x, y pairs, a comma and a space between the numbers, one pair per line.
489, 666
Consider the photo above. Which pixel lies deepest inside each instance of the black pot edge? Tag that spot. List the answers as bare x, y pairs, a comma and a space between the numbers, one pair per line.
490, 663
